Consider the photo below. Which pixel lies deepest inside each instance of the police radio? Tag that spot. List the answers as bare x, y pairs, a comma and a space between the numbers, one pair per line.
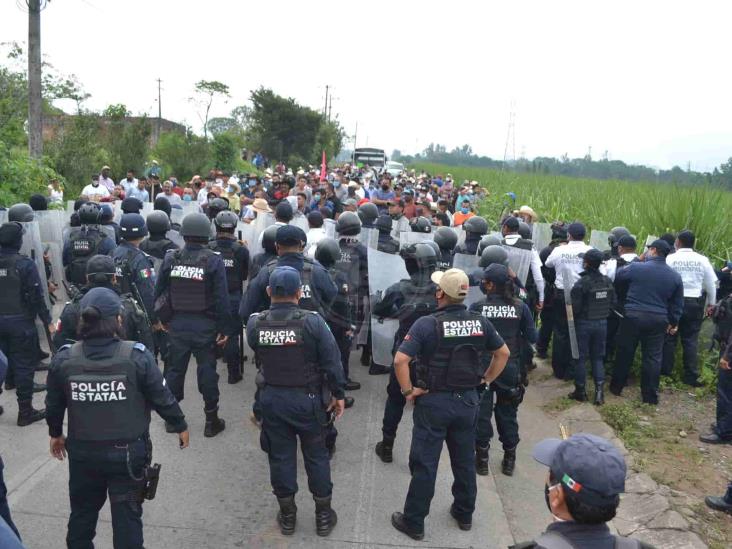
152, 476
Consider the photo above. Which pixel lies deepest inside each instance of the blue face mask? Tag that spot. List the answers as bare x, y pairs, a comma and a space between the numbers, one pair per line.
316, 197
336, 184
187, 198
252, 182
464, 210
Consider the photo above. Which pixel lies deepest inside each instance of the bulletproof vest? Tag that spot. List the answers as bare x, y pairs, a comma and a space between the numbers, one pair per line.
84, 242
470, 246
231, 264
308, 301
123, 272
506, 319
155, 248
387, 244
521, 244
598, 298
188, 277
419, 301
282, 353
458, 361
444, 260
11, 297
348, 264
104, 401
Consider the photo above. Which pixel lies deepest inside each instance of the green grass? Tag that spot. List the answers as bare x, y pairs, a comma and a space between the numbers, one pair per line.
644, 208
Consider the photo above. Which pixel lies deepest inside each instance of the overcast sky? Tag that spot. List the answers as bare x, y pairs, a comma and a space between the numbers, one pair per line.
647, 81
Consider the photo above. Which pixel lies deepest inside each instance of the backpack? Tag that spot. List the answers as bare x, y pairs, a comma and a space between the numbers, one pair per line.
722, 319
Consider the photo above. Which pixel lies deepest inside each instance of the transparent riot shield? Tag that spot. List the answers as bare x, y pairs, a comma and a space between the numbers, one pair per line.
519, 261
3, 216
51, 229
175, 237
330, 228
460, 233
190, 207
260, 223
400, 225
301, 221
385, 270
599, 240
541, 235
70, 208
176, 216
117, 208
369, 237
245, 233
568, 281
147, 208
469, 264
33, 248
405, 239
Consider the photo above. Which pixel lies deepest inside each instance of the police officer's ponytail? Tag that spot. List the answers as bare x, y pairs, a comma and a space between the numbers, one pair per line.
92, 325
507, 291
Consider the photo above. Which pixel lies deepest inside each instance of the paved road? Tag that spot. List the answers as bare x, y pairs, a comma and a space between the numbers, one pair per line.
217, 492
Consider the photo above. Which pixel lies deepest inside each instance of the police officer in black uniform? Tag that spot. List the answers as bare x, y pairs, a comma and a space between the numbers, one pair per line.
108, 387
513, 321
387, 243
101, 273
298, 357
407, 301
192, 301
446, 239
236, 262
474, 228
368, 213
84, 242
21, 300
106, 219
453, 345
131, 205
593, 297
157, 244
420, 225
559, 236
268, 253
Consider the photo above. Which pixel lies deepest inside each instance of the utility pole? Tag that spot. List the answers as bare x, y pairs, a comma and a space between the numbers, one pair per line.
325, 109
35, 112
330, 106
160, 109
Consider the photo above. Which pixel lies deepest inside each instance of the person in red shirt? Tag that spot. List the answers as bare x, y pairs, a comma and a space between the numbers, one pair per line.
410, 208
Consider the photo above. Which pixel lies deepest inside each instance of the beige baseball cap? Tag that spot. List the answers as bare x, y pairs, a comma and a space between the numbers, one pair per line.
453, 282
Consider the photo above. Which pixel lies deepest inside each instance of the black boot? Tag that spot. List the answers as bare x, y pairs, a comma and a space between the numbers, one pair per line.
383, 450
599, 393
509, 462
287, 517
39, 387
325, 517
214, 425
234, 375
481, 460
27, 414
42, 367
579, 394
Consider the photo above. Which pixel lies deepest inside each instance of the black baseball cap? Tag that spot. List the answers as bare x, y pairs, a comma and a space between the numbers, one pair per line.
593, 256
576, 230
627, 241
102, 264
661, 247
290, 235
104, 300
284, 281
496, 273
511, 223
588, 465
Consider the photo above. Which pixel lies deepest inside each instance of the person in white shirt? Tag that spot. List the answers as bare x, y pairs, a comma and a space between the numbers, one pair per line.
626, 255
94, 191
315, 234
55, 192
105, 180
168, 193
512, 238
565, 259
203, 193
700, 295
129, 183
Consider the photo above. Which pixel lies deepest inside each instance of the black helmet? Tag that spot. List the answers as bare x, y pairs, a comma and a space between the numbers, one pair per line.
488, 240
106, 213
421, 256
348, 224
368, 212
432, 244
421, 225
195, 225
269, 236
162, 204
476, 225
327, 252
226, 221
616, 233
383, 223
89, 213
446, 238
493, 254
22, 213
559, 231
132, 226
524, 230
132, 205
158, 222
217, 205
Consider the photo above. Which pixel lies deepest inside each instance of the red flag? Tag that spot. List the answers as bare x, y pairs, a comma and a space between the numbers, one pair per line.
323, 169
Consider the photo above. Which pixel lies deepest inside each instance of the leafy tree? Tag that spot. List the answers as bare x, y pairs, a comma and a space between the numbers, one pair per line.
21, 176
206, 91
220, 125
185, 155
226, 149
126, 140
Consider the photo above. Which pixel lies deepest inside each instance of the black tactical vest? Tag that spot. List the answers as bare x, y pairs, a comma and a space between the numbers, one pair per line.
156, 248
458, 361
598, 298
11, 298
231, 264
506, 319
103, 399
84, 242
444, 260
188, 282
419, 301
308, 300
521, 244
349, 264
281, 351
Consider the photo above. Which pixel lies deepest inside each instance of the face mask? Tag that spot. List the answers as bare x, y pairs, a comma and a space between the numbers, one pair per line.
187, 198
316, 197
546, 497
252, 183
95, 183
220, 182
385, 187
129, 179
464, 210
336, 184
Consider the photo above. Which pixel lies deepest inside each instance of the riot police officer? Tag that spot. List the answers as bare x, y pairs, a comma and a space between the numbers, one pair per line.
21, 300
559, 236
513, 321
162, 204
387, 243
108, 387
236, 262
157, 244
420, 225
106, 219
298, 357
101, 273
269, 251
84, 242
407, 301
135, 269
368, 212
131, 205
192, 300
475, 227
452, 346
446, 239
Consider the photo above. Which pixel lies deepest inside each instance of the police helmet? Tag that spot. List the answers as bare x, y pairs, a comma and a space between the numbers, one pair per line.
215, 206
420, 256
106, 213
446, 238
226, 221
421, 225
559, 231
89, 213
616, 233
132, 205
524, 230
163, 204
476, 225
195, 225
383, 223
493, 254
368, 212
132, 226
488, 240
432, 244
327, 252
22, 213
348, 224
158, 222
269, 236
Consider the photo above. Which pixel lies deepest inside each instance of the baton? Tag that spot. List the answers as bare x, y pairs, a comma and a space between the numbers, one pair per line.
241, 337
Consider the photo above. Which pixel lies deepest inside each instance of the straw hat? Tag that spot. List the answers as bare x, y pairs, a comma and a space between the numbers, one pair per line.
260, 205
527, 210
